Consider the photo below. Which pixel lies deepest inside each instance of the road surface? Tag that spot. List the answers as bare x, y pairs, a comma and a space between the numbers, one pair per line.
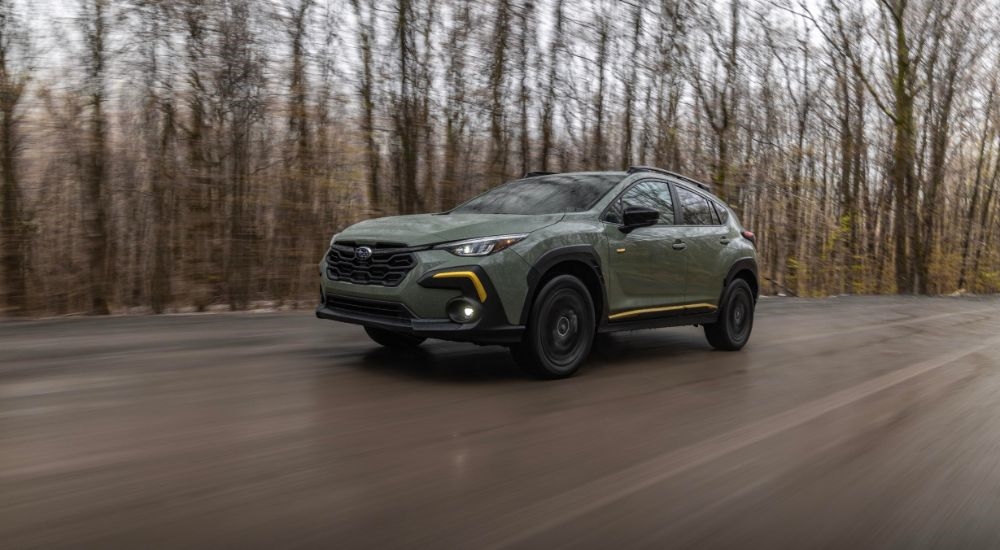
845, 423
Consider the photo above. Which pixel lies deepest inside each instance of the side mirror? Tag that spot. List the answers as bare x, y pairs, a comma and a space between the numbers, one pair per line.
635, 217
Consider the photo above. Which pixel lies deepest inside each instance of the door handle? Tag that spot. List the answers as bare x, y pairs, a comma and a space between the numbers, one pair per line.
723, 240
680, 246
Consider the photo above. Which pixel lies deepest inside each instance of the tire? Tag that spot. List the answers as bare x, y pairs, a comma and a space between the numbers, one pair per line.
732, 330
560, 330
393, 340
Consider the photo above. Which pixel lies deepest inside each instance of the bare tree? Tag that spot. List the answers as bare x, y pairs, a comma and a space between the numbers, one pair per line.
525, 45
180, 164
94, 22
405, 109
365, 12
298, 158
497, 170
717, 85
455, 114
602, 24
547, 116
239, 84
631, 82
947, 61
15, 73
987, 137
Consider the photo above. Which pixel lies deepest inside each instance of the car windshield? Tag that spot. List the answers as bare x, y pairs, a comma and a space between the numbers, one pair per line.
551, 194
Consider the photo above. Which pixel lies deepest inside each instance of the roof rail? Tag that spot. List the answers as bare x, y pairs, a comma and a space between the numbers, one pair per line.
682, 177
536, 174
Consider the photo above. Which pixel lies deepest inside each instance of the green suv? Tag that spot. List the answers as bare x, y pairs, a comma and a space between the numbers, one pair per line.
544, 263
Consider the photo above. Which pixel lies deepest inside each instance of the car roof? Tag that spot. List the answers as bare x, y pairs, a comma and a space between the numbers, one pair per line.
586, 173
632, 171
640, 172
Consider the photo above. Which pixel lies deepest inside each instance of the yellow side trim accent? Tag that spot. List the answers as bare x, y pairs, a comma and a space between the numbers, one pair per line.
480, 289
634, 312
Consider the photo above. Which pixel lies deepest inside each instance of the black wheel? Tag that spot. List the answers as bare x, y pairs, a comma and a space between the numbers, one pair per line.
732, 330
560, 329
393, 340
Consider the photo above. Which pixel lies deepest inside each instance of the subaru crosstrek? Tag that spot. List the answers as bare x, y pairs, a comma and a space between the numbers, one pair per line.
544, 263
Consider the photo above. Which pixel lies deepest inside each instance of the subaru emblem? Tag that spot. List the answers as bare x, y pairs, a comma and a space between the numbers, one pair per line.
363, 253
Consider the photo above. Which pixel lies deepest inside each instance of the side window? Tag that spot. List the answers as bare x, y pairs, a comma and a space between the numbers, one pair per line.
614, 213
696, 208
648, 194
715, 213
722, 212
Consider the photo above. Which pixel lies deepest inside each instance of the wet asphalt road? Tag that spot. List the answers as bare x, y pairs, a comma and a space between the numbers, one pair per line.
846, 423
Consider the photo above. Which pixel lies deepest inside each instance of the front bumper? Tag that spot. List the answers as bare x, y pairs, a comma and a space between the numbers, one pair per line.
418, 304
442, 329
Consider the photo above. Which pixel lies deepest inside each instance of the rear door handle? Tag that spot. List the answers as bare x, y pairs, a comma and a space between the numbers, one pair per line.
724, 240
680, 246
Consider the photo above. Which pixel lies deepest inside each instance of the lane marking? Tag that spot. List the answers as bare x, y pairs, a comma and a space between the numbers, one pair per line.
601, 492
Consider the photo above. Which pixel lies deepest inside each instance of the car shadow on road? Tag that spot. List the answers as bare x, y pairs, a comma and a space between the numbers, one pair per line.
464, 363
445, 363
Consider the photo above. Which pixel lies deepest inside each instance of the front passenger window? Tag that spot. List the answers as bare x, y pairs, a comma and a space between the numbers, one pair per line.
647, 194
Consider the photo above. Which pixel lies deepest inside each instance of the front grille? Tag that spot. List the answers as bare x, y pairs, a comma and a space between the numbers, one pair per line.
388, 265
374, 308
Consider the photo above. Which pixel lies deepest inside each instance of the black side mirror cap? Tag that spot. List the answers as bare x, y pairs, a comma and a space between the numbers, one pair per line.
635, 217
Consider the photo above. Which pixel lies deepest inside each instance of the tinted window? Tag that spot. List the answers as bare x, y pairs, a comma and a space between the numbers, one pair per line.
543, 195
647, 194
722, 212
696, 208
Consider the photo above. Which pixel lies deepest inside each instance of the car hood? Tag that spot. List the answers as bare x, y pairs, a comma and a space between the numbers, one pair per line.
424, 229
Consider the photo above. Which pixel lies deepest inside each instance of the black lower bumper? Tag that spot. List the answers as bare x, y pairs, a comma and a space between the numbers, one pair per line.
442, 329
492, 326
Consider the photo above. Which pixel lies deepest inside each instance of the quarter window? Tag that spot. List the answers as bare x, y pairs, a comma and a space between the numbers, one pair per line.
696, 208
647, 194
722, 212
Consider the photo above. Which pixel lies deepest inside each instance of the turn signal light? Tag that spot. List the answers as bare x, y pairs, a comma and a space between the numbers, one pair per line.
748, 235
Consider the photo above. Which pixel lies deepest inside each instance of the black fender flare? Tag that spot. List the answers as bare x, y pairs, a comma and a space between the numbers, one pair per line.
745, 264
583, 253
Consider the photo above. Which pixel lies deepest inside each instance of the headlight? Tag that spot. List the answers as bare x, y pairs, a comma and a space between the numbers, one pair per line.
482, 246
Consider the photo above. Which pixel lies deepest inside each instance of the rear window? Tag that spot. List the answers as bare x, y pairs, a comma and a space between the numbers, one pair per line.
696, 208
552, 194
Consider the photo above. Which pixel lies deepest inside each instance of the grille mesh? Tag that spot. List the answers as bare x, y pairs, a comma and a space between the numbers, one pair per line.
388, 266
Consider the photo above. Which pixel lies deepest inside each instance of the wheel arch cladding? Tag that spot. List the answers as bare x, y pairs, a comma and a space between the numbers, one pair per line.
745, 269
581, 261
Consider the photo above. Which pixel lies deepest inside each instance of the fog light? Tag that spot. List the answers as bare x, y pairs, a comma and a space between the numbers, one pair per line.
463, 311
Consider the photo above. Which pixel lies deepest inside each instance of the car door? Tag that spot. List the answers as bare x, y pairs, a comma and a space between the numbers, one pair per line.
707, 238
647, 264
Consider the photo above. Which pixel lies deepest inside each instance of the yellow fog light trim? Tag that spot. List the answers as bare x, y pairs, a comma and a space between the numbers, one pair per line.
480, 289
634, 312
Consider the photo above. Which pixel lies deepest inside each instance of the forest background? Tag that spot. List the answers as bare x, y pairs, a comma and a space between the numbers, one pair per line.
165, 155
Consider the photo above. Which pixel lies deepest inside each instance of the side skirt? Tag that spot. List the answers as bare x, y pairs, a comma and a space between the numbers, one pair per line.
660, 322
